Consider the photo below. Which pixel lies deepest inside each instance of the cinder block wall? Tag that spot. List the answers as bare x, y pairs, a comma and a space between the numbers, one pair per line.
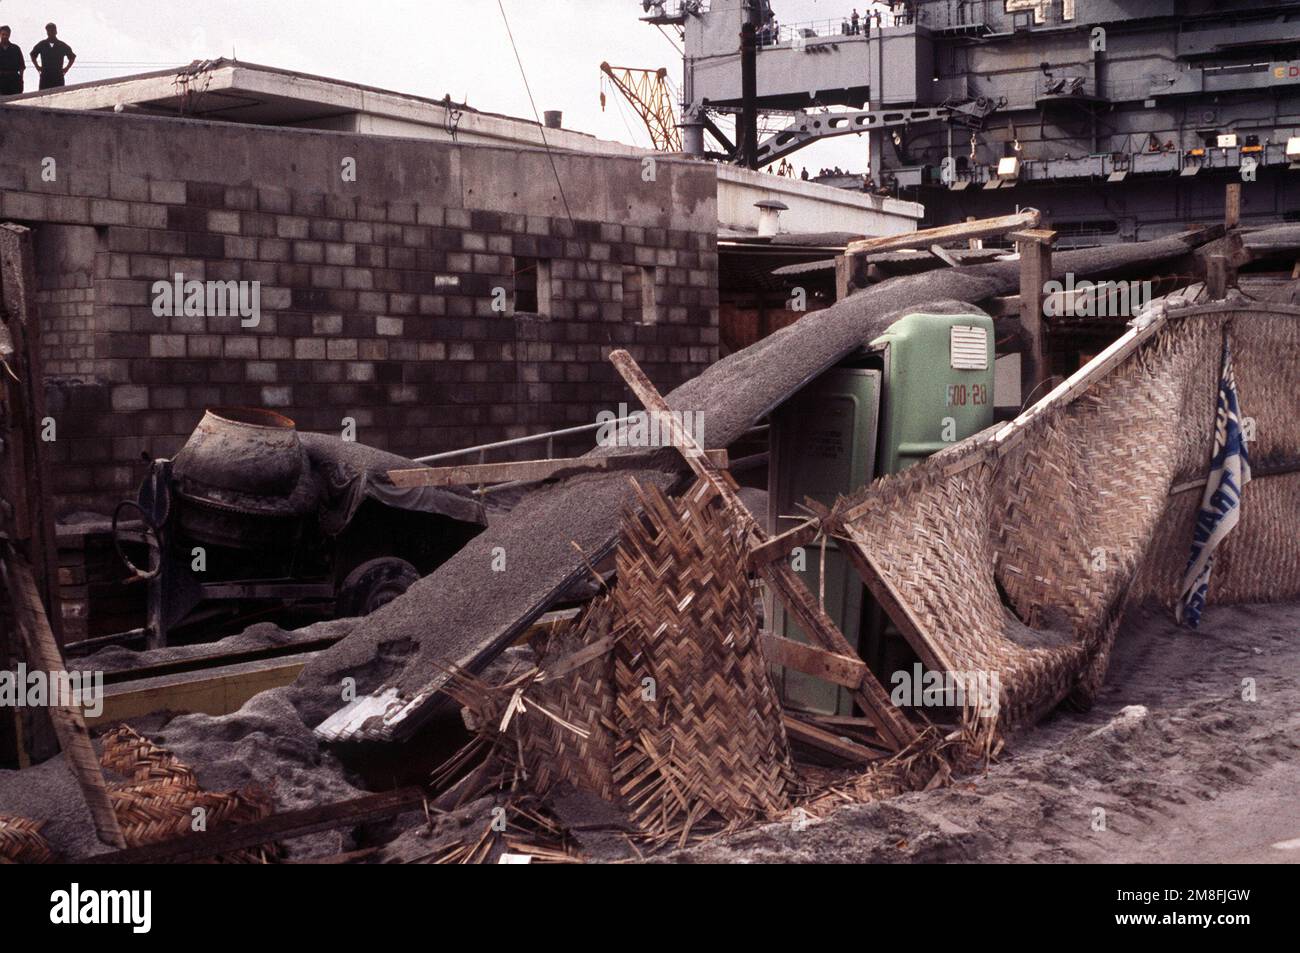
376, 295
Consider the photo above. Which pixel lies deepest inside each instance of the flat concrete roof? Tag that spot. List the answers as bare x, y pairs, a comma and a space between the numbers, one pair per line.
234, 91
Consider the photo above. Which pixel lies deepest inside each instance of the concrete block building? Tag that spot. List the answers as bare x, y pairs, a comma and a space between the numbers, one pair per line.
435, 294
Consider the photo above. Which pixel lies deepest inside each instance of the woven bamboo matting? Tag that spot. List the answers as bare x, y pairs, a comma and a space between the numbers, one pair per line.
676, 719
1017, 558
699, 723
582, 698
21, 841
157, 803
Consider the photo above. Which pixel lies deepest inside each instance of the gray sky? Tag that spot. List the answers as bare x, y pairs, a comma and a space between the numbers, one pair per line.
427, 48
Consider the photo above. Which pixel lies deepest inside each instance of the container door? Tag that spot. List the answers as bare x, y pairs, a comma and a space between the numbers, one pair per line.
824, 445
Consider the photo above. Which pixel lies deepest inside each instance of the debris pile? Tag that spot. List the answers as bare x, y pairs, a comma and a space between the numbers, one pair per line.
483, 612
1013, 553
160, 799
657, 698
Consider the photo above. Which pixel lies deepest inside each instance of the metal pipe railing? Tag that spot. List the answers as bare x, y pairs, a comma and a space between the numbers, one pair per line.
549, 436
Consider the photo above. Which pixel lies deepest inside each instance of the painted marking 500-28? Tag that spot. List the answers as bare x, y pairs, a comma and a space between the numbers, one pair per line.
959, 395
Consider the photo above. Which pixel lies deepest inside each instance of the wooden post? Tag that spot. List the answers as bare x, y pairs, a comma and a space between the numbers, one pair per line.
843, 277
26, 519
894, 728
42, 652
1216, 277
25, 512
1035, 247
1232, 205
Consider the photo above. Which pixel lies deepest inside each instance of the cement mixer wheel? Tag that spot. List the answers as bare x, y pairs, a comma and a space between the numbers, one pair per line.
373, 584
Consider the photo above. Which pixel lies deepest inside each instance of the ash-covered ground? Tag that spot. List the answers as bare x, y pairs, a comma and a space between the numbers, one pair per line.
1184, 769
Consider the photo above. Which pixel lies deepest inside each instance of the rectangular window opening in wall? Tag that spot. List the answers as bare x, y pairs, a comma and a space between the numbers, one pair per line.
639, 306
532, 285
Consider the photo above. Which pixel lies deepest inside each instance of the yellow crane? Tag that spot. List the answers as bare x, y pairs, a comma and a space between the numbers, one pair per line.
651, 95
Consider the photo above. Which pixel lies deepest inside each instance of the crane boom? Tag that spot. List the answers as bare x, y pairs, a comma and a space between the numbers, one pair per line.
650, 94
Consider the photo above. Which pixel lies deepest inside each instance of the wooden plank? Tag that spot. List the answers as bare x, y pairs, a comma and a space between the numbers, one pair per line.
202, 845
778, 547
854, 724
938, 252
527, 471
843, 670
961, 231
828, 742
1044, 236
212, 691
69, 725
893, 726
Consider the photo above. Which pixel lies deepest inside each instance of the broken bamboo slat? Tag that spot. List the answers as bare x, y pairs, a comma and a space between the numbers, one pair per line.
872, 698
69, 725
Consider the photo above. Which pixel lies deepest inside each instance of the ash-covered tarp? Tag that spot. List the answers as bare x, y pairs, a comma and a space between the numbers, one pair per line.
465, 613
350, 473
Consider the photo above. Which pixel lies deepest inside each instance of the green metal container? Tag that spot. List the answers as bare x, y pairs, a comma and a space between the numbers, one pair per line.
924, 384
938, 385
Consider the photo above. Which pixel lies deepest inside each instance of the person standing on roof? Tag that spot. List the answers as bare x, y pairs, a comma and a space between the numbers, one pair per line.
855, 21
12, 65
51, 53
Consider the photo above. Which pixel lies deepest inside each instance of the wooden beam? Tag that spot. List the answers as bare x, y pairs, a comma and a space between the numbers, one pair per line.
938, 252
891, 723
778, 547
843, 670
26, 514
202, 845
212, 691
828, 742
961, 231
42, 653
896, 608
527, 471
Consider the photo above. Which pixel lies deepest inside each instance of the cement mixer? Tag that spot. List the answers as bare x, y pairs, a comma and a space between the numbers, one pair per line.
252, 519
